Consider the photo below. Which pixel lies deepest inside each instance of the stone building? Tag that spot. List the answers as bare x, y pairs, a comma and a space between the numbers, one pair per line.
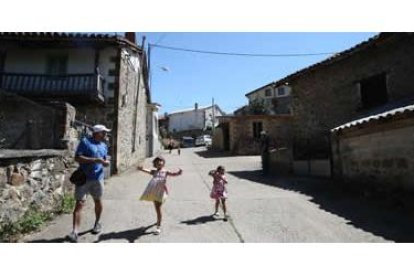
376, 151
367, 79
269, 109
105, 77
240, 134
53, 87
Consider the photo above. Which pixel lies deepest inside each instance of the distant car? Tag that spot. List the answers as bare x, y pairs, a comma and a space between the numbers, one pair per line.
187, 142
203, 140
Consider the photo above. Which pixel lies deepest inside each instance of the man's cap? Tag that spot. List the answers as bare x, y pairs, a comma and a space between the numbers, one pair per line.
263, 132
99, 128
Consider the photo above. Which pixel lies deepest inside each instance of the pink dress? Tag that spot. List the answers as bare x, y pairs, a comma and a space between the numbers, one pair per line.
156, 189
219, 190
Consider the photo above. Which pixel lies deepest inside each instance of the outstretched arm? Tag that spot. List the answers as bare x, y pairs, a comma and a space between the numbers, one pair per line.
140, 168
179, 172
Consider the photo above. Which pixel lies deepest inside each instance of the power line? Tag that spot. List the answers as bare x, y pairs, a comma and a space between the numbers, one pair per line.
161, 38
238, 54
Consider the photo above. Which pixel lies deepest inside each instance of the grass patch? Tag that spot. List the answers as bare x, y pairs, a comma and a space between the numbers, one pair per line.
31, 221
68, 204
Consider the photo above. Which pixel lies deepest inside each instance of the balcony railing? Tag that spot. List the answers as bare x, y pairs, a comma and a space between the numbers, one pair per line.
73, 87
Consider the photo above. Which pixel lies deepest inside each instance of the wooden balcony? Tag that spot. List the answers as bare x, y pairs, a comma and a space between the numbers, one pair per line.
77, 88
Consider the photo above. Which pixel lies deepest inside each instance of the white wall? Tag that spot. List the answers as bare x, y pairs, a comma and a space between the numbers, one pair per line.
155, 133
209, 114
153, 143
186, 120
261, 93
288, 91
193, 119
105, 65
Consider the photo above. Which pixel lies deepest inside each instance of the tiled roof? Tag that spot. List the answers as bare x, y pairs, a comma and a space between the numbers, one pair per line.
370, 43
260, 88
388, 114
55, 36
193, 109
189, 110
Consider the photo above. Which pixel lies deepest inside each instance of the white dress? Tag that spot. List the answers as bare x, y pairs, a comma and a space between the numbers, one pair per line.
156, 189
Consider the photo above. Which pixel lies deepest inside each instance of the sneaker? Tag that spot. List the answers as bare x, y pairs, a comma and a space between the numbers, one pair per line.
226, 218
73, 237
97, 228
157, 231
216, 214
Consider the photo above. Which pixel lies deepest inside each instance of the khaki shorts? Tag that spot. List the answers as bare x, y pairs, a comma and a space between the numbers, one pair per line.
93, 187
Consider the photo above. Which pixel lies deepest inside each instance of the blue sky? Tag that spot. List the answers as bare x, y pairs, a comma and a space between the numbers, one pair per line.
198, 78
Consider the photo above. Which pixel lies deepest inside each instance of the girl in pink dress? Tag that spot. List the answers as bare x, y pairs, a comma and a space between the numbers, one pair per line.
156, 190
218, 191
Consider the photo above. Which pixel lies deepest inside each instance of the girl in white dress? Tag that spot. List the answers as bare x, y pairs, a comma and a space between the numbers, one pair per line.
157, 190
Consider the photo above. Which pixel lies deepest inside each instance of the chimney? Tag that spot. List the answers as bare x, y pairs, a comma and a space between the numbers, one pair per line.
196, 106
131, 37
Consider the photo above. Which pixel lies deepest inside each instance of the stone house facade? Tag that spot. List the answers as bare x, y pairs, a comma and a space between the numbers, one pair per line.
241, 134
104, 77
367, 79
269, 109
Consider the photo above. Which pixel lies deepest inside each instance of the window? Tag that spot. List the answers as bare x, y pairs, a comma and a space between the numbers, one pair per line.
268, 92
373, 91
281, 91
56, 65
257, 128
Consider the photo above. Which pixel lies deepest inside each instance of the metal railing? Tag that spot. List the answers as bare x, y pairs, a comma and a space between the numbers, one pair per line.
42, 85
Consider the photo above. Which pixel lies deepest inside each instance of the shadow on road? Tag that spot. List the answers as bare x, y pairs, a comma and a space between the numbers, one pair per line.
213, 154
129, 235
200, 220
372, 215
59, 240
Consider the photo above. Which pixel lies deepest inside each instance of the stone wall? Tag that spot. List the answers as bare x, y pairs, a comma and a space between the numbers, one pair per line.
32, 179
380, 153
242, 140
25, 124
218, 139
281, 161
131, 132
328, 96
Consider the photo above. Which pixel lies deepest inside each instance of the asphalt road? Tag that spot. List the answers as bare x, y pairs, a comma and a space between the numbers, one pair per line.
262, 209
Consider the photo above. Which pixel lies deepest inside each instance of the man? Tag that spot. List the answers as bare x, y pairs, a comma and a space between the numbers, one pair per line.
264, 151
91, 154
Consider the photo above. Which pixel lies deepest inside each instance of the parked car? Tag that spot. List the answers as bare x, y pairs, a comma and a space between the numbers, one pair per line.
187, 142
203, 140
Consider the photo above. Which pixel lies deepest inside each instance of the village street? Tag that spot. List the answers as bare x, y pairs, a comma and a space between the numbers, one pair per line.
262, 209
